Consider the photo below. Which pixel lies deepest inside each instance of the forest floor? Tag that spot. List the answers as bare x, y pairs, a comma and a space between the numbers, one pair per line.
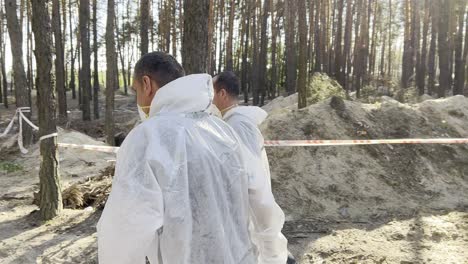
382, 204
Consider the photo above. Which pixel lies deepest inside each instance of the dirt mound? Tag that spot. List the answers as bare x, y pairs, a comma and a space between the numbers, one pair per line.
369, 182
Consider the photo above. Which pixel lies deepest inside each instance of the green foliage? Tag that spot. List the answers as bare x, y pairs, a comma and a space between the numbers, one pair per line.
10, 167
322, 87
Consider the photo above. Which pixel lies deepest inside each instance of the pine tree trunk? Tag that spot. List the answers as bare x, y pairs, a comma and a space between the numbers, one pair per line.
29, 49
431, 64
2, 59
339, 61
290, 31
390, 37
4, 84
50, 187
263, 52
444, 53
274, 34
195, 38
96, 69
245, 66
310, 44
255, 55
85, 73
229, 64
111, 71
211, 22
302, 64
416, 39
459, 59
423, 65
59, 62
144, 25
465, 56
21, 86
317, 37
72, 54
373, 50
407, 63
173, 28
221, 33
347, 45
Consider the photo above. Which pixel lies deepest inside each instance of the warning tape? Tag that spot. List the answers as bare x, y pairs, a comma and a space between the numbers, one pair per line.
19, 114
308, 143
305, 143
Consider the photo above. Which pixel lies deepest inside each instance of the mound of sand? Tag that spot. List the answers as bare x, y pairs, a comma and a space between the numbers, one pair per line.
369, 182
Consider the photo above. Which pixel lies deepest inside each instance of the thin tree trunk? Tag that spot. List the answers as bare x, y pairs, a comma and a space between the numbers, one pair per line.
210, 66
50, 187
174, 28
2, 61
85, 75
423, 65
431, 64
59, 62
195, 38
111, 72
338, 45
444, 53
221, 33
390, 37
373, 50
459, 59
144, 25
21, 89
302, 64
255, 55
291, 67
96, 69
72, 54
263, 52
317, 37
416, 39
347, 46
229, 63
274, 33
407, 63
245, 53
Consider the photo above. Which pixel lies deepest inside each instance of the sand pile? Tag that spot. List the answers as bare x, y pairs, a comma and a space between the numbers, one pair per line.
369, 182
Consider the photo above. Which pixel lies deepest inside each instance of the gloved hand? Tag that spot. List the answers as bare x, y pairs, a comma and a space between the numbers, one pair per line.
291, 259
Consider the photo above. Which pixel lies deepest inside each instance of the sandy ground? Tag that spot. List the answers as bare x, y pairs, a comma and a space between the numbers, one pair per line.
321, 231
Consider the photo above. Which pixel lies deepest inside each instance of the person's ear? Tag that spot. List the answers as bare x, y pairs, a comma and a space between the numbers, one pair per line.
223, 93
147, 89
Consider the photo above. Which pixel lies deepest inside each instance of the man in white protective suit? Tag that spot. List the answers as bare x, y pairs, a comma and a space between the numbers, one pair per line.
185, 188
245, 121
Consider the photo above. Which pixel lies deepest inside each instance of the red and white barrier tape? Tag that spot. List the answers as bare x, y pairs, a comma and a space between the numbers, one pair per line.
306, 143
19, 114
357, 142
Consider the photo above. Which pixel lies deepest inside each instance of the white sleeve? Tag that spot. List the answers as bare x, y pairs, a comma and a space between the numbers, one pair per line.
128, 228
266, 215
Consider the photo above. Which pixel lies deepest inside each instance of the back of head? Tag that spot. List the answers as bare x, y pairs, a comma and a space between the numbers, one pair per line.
228, 81
161, 67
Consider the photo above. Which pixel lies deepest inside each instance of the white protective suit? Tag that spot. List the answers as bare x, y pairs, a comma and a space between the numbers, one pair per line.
245, 121
185, 187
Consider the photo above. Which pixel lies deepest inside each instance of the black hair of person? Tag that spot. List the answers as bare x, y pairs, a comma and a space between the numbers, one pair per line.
161, 67
228, 81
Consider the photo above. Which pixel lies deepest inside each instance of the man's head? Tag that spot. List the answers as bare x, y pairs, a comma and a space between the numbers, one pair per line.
153, 71
227, 89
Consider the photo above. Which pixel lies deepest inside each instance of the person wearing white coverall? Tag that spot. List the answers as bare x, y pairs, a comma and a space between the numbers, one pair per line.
185, 189
245, 121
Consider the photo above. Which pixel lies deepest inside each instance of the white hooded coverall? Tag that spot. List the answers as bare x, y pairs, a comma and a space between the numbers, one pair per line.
245, 121
185, 188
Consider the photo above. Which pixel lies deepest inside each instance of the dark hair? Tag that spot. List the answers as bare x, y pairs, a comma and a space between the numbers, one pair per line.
228, 81
160, 67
